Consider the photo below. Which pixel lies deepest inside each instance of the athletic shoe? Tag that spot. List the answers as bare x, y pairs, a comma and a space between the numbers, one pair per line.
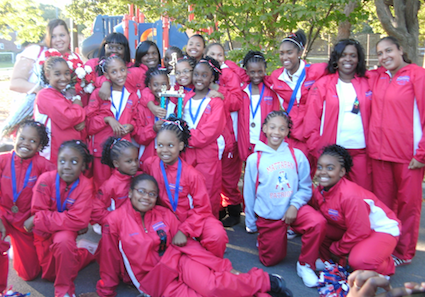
320, 265
291, 234
278, 287
400, 262
88, 245
310, 278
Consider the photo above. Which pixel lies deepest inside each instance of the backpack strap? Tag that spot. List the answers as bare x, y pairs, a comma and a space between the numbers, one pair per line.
258, 170
293, 156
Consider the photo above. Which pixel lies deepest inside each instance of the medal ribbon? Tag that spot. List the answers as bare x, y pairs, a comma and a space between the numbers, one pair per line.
194, 118
58, 193
174, 201
187, 89
295, 91
27, 177
117, 111
254, 112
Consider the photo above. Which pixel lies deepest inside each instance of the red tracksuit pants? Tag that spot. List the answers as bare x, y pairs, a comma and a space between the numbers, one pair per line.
4, 264
60, 260
231, 173
400, 189
214, 237
25, 261
372, 253
272, 239
361, 172
198, 280
101, 172
212, 172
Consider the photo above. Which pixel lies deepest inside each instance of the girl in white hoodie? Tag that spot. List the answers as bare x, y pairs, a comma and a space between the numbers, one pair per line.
277, 187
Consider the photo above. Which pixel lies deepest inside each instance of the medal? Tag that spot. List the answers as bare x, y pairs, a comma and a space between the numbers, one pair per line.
253, 125
15, 209
254, 111
16, 194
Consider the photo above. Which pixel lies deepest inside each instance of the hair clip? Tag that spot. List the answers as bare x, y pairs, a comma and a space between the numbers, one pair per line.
176, 123
78, 142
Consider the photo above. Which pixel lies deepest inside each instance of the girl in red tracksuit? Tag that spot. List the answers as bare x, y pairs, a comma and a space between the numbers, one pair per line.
63, 118
121, 156
19, 171
206, 119
147, 124
61, 210
113, 117
257, 102
338, 109
360, 227
396, 141
229, 85
292, 83
140, 232
182, 189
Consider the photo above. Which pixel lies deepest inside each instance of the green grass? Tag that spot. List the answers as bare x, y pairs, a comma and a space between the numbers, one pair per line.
6, 65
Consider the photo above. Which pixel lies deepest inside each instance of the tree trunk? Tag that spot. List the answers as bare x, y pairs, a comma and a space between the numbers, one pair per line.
403, 25
344, 28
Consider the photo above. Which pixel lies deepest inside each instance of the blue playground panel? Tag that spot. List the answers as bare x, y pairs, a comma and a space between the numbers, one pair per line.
104, 25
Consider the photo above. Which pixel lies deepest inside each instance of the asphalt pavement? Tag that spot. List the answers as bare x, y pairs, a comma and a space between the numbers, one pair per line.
241, 250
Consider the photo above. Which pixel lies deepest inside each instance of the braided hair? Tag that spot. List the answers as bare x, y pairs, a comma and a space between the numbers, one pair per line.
298, 39
213, 65
80, 147
279, 113
48, 65
41, 131
254, 57
104, 62
179, 127
341, 153
154, 72
190, 60
112, 148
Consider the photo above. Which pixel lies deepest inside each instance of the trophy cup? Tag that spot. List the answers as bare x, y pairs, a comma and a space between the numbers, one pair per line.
171, 92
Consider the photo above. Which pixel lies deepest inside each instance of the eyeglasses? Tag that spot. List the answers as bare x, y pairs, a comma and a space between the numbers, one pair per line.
143, 192
114, 47
186, 71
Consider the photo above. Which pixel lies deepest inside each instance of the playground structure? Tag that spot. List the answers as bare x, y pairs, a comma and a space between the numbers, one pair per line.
163, 32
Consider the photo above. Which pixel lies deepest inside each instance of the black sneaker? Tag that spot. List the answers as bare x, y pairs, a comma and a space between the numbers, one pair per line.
278, 287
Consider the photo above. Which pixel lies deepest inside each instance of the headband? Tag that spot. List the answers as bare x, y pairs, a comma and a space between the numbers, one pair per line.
291, 38
211, 64
176, 123
259, 56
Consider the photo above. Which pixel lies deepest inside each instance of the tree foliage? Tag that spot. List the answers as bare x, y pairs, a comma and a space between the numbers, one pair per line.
24, 17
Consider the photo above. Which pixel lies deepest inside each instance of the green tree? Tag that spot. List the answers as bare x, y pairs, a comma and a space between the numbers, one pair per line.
24, 17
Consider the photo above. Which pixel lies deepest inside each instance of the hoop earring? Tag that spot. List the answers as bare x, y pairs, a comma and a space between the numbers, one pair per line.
335, 65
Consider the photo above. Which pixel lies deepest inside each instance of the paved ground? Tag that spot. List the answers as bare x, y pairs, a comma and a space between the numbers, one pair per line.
242, 252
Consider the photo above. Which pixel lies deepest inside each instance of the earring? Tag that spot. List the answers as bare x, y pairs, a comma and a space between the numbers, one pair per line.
335, 65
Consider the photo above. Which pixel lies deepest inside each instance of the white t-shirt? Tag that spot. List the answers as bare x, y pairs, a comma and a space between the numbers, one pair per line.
350, 132
254, 132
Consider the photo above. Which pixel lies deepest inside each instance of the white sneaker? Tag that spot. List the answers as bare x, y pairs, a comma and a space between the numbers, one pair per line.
291, 234
310, 278
10, 252
88, 245
320, 265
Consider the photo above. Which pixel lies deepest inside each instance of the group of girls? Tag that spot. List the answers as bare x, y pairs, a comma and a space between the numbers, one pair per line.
278, 124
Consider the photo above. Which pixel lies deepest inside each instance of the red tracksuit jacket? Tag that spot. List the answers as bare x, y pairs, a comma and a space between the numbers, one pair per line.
59, 115
39, 166
323, 109
312, 73
398, 115
114, 189
229, 86
47, 219
97, 110
203, 141
344, 206
268, 104
193, 205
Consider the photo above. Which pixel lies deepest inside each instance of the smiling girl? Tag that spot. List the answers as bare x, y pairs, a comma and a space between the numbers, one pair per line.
63, 118
195, 47
396, 140
338, 109
206, 119
114, 117
277, 187
292, 83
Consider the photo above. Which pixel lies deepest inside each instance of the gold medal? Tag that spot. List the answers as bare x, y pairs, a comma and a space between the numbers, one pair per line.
15, 209
253, 125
